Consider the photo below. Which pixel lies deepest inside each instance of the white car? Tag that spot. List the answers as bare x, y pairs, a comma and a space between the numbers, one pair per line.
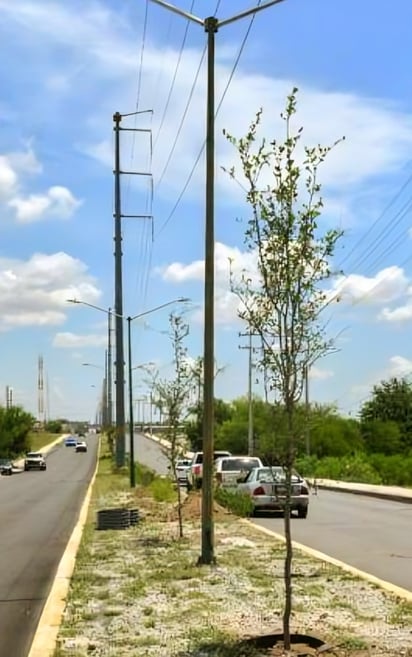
34, 461
229, 468
182, 466
267, 490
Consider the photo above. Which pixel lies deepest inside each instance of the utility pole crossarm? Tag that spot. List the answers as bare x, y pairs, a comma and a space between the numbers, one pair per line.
179, 12
247, 12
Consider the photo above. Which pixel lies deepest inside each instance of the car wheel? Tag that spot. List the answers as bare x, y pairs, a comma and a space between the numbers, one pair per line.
198, 484
188, 487
303, 512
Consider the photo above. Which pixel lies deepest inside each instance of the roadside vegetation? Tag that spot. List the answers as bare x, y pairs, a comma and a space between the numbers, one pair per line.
132, 588
15, 428
375, 448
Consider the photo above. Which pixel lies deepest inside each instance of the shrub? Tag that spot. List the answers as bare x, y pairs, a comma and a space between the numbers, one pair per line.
240, 504
162, 489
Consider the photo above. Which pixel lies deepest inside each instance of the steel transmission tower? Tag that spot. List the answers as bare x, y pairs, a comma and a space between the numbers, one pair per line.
40, 391
118, 276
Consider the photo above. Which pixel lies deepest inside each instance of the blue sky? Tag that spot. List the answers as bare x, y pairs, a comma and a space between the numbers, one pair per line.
67, 67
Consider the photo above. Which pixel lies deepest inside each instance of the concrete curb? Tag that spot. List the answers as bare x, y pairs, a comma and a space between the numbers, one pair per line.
165, 443
45, 638
395, 493
383, 584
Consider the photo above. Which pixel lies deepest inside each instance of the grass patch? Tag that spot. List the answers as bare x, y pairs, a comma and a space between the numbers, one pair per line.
39, 439
401, 614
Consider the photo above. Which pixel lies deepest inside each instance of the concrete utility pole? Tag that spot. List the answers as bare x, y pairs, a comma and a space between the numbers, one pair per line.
250, 436
118, 282
211, 26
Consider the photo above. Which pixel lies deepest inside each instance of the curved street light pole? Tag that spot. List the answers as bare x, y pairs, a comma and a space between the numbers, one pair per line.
129, 320
211, 26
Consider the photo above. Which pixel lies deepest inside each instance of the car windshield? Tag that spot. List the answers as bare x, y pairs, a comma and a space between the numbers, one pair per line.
34, 455
183, 464
237, 465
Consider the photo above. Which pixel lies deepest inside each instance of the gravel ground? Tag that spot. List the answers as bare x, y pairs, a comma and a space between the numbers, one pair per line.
138, 592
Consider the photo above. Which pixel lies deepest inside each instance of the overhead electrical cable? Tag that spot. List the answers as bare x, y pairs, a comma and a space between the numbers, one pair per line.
196, 162
172, 85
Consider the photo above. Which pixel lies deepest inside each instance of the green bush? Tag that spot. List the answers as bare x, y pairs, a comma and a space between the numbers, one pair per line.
144, 475
356, 468
238, 503
395, 470
162, 489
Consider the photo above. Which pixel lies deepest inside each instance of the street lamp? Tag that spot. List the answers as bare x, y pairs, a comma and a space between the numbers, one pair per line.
130, 367
211, 26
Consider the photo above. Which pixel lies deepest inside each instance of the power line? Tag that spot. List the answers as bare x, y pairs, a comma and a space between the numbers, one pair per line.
378, 219
196, 162
179, 130
172, 85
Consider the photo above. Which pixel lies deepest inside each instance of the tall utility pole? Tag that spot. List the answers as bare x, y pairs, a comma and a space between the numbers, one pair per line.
40, 391
9, 397
211, 26
118, 282
109, 370
250, 437
118, 300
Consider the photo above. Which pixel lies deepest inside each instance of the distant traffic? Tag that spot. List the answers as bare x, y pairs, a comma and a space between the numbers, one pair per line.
37, 460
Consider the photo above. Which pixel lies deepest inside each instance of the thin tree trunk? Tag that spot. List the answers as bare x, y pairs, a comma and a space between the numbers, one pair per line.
179, 507
288, 535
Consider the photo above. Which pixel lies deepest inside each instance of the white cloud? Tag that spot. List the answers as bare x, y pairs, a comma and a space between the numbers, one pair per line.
8, 178
34, 292
226, 258
72, 340
387, 285
399, 366
378, 133
320, 374
57, 201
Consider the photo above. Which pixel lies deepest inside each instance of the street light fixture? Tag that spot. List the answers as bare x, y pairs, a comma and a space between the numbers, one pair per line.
211, 26
130, 368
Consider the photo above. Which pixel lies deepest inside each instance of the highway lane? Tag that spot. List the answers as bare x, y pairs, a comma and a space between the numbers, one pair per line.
371, 534
38, 511
149, 453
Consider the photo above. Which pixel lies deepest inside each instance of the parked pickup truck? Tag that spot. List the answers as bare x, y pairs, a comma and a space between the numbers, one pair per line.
229, 469
195, 471
34, 461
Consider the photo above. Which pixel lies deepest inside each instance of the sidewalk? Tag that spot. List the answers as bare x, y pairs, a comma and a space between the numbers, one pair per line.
396, 493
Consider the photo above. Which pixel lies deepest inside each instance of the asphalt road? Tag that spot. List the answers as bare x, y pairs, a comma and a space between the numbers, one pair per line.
38, 511
370, 534
149, 453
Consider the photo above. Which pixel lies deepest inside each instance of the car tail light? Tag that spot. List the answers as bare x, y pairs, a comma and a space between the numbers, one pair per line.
196, 470
304, 490
259, 491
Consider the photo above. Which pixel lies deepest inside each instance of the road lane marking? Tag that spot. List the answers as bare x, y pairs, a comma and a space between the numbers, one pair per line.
45, 637
321, 556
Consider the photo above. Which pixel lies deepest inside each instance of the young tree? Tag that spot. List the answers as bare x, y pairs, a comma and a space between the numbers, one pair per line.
293, 261
174, 396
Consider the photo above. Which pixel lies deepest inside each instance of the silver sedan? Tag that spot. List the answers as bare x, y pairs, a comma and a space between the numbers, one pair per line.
267, 489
